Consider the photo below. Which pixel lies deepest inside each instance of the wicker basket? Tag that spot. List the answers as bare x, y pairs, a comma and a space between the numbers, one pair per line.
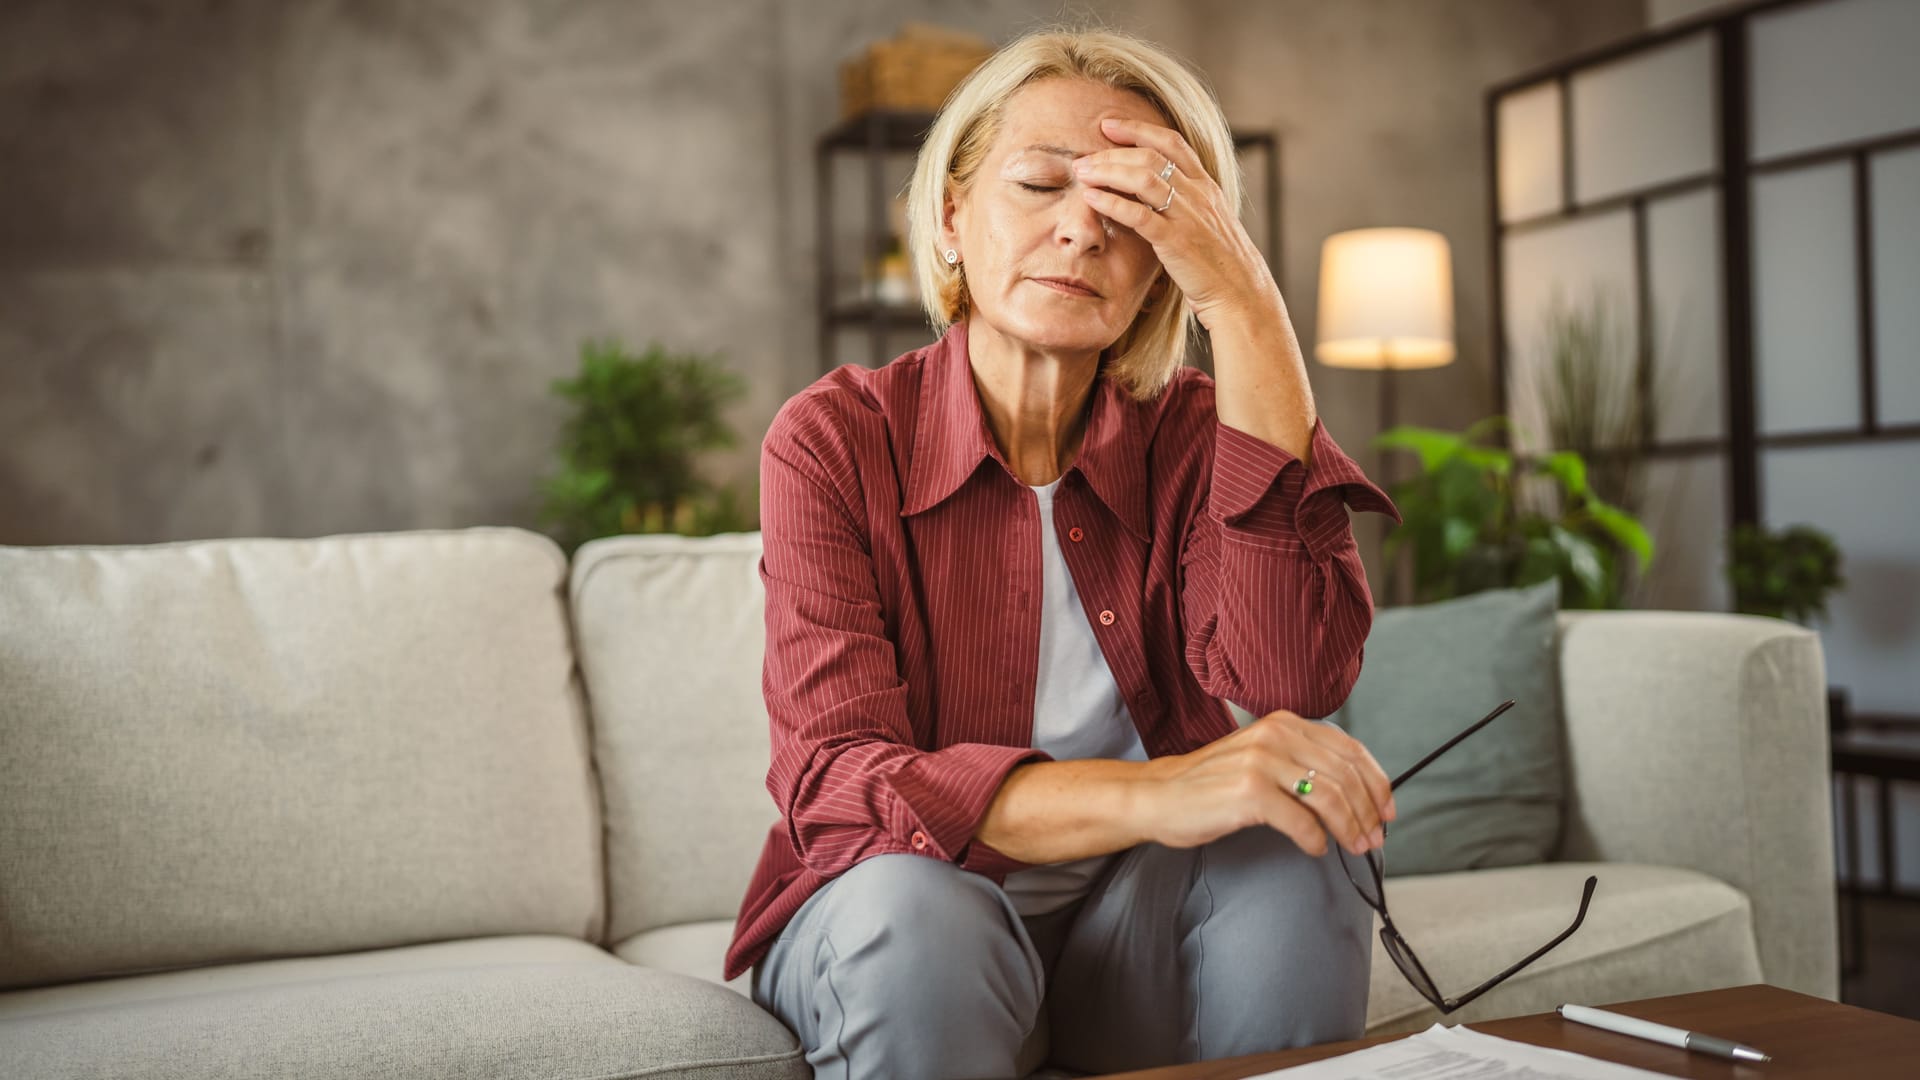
915, 71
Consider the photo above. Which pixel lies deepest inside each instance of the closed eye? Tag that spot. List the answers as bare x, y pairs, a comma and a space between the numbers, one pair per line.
1036, 187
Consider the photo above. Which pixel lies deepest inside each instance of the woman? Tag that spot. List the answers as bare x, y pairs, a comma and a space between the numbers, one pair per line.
1010, 578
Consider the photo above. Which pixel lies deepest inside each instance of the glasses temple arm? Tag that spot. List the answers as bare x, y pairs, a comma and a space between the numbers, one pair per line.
1449, 744
1536, 954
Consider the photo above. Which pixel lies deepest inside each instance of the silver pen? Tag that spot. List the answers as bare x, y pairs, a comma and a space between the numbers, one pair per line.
1661, 1033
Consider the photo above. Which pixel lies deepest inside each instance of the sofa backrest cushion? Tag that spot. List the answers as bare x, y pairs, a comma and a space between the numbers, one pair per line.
1430, 670
223, 750
670, 632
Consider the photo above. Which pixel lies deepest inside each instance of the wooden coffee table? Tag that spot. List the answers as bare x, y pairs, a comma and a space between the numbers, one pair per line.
1807, 1036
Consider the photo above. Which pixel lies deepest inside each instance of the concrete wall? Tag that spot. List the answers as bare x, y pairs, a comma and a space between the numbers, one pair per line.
297, 269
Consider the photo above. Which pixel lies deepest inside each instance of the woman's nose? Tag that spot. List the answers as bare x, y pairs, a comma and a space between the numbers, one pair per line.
1081, 224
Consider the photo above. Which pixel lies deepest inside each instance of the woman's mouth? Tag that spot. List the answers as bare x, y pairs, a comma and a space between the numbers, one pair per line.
1068, 286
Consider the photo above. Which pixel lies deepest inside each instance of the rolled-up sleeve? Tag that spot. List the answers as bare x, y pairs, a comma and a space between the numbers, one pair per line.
846, 775
1274, 599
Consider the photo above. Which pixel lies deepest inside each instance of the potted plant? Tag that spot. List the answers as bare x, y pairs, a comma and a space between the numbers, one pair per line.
629, 451
1786, 574
1471, 530
1589, 393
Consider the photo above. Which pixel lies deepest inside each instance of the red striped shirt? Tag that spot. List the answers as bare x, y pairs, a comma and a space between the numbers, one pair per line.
903, 588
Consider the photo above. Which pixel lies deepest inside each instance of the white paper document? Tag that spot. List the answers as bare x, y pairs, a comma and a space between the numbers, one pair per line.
1460, 1053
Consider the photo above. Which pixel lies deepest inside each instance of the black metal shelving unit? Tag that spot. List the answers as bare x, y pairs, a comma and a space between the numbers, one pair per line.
876, 135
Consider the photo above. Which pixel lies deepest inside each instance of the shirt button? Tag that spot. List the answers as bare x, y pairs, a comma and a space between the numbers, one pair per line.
1106, 618
919, 840
1074, 534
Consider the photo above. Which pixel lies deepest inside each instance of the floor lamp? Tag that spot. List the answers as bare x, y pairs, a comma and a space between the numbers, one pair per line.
1386, 304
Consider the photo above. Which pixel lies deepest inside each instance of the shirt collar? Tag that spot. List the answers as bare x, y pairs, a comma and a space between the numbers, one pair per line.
951, 437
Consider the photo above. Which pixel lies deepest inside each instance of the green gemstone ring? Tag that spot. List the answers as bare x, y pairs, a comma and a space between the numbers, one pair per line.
1304, 785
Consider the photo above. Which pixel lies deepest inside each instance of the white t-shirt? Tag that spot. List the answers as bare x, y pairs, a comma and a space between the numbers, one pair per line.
1077, 712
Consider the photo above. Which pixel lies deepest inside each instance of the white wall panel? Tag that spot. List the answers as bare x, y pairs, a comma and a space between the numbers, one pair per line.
1683, 267
1579, 260
1863, 495
1686, 513
1895, 197
1832, 72
1806, 339
1644, 120
1529, 152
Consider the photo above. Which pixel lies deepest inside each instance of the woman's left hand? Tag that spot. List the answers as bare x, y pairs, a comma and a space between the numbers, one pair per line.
1199, 238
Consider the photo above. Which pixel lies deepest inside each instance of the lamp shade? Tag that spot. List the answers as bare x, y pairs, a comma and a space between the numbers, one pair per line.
1386, 300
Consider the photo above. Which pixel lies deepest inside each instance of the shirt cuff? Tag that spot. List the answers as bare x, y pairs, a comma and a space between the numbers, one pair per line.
1271, 499
940, 801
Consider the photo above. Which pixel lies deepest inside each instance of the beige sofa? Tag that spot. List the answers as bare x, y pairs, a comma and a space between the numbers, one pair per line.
440, 803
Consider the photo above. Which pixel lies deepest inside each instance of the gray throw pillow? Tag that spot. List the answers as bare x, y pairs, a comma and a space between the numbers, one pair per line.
1430, 671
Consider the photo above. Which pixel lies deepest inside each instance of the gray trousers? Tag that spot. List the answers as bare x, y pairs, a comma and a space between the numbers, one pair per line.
908, 967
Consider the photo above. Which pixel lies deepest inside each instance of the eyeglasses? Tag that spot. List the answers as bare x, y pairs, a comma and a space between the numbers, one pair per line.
1397, 947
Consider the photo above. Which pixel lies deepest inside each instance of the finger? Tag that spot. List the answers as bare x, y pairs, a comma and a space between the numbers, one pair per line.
1275, 753
1377, 783
1370, 775
1354, 790
1157, 136
1144, 156
1339, 798
1285, 814
1329, 750
1136, 180
1328, 801
1134, 215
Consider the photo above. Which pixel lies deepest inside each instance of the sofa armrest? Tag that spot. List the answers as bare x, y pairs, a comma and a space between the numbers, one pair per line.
1700, 740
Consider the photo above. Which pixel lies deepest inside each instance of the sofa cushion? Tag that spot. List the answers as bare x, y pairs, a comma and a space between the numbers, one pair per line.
433, 956
1430, 671
232, 749
1649, 931
698, 949
550, 1009
670, 632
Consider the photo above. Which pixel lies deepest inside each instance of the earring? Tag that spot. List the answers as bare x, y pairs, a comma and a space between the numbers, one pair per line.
952, 257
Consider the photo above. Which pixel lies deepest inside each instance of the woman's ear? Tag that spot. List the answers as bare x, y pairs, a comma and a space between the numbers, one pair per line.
949, 226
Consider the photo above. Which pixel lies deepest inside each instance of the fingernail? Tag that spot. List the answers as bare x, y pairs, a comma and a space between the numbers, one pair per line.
1379, 835
1393, 812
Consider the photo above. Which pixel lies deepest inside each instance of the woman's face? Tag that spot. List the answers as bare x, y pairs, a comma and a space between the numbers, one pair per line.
1022, 224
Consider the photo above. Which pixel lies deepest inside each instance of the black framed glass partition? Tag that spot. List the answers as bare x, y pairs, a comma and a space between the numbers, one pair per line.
1743, 191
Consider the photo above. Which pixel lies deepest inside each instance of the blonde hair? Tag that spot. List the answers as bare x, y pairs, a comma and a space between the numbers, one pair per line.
1151, 350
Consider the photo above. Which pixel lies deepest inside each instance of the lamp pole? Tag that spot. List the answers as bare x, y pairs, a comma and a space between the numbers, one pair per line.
1388, 579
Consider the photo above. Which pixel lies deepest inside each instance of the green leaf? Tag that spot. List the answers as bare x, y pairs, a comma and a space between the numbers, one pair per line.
1434, 447
1624, 529
1584, 562
1567, 467
1540, 562
1459, 536
1488, 459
